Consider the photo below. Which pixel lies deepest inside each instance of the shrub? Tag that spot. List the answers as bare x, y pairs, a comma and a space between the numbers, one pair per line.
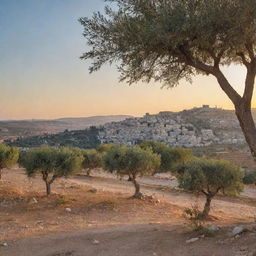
196, 222
8, 157
249, 178
103, 148
194, 215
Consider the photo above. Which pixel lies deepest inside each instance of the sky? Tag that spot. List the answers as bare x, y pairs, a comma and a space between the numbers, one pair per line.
42, 77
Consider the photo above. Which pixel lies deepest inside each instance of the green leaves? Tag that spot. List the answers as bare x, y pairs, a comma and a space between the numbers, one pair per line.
170, 156
210, 177
59, 162
169, 40
133, 161
114, 159
140, 162
51, 163
92, 159
8, 156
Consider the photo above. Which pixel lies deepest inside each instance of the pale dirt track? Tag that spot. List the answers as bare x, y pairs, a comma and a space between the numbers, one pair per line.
233, 208
141, 239
147, 240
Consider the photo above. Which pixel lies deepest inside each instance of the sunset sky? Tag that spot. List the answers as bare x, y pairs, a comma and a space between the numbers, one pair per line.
41, 75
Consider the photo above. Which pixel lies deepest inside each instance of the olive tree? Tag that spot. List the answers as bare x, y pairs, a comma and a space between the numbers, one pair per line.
51, 163
114, 159
133, 161
92, 159
210, 177
8, 157
102, 148
170, 156
173, 40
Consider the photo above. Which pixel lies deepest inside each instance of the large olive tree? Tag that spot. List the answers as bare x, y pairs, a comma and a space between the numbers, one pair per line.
171, 40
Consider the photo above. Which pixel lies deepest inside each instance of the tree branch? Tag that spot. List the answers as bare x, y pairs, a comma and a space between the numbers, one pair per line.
249, 84
249, 48
189, 60
244, 60
54, 177
217, 191
226, 86
218, 58
45, 175
205, 193
215, 71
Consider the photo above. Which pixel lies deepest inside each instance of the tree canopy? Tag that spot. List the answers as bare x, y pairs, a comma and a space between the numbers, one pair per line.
8, 157
114, 160
92, 159
52, 163
173, 40
133, 161
170, 156
209, 177
103, 148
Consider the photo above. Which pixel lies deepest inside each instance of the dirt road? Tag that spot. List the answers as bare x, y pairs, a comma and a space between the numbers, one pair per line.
106, 223
236, 209
146, 240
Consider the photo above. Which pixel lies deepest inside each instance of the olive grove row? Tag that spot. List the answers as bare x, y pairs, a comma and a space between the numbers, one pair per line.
198, 175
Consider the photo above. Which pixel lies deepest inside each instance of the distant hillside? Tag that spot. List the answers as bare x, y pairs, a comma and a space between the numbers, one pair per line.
25, 128
83, 122
88, 138
196, 128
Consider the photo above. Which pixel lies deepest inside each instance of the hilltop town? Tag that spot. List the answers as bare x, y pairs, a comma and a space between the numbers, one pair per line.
197, 127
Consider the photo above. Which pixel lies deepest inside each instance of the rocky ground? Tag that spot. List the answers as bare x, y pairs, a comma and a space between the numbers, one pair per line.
96, 216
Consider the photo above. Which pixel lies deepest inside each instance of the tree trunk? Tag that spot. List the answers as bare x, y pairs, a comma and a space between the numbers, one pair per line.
244, 115
48, 188
129, 178
242, 103
207, 207
137, 193
0, 174
88, 172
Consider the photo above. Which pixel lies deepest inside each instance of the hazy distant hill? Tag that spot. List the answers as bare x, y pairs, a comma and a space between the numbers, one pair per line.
25, 128
87, 138
194, 128
83, 122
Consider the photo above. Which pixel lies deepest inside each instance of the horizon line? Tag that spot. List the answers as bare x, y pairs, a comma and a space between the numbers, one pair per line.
93, 116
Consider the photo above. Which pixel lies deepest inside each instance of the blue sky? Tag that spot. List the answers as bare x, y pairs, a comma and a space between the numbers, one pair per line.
41, 75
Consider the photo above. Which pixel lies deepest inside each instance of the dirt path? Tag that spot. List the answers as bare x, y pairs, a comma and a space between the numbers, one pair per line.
139, 240
106, 223
234, 208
